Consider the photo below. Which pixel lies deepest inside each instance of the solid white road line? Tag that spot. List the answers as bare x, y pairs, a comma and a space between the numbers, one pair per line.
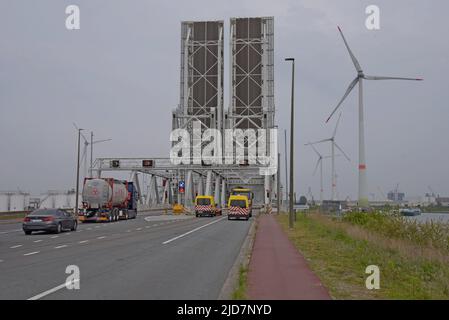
31, 253
191, 231
17, 246
59, 247
46, 293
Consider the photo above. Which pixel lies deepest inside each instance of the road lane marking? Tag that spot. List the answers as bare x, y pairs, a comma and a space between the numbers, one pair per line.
36, 241
84, 241
50, 291
54, 237
138, 229
89, 228
128, 230
31, 253
1, 261
17, 246
147, 227
59, 247
192, 231
10, 231
99, 238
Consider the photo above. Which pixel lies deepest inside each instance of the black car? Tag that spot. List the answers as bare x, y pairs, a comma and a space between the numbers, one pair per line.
53, 220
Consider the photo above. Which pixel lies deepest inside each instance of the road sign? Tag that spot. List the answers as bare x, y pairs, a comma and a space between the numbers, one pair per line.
181, 186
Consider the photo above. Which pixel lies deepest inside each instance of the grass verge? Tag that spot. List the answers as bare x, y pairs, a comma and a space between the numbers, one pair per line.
240, 291
340, 251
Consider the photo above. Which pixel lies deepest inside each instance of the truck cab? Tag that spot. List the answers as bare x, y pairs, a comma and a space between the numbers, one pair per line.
206, 206
239, 207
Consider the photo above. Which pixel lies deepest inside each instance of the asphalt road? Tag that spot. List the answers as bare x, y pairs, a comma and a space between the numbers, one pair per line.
151, 257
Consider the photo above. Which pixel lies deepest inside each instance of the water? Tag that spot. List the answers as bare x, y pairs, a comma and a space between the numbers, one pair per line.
435, 217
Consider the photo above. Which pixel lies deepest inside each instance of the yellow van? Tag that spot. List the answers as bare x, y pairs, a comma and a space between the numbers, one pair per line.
239, 207
206, 206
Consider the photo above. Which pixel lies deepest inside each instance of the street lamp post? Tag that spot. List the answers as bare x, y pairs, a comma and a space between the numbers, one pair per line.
292, 131
78, 173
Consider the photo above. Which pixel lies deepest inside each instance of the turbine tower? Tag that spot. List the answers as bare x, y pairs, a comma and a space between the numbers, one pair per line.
333, 146
363, 193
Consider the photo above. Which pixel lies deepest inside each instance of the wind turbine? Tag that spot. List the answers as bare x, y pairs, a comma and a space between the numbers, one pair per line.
333, 146
319, 164
88, 143
363, 193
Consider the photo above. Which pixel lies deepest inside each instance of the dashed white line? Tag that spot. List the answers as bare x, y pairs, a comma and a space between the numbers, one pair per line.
10, 231
36, 241
31, 253
84, 241
99, 238
89, 228
147, 227
192, 231
138, 229
17, 246
54, 237
60, 247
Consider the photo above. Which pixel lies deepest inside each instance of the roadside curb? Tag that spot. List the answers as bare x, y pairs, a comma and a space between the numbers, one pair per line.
242, 260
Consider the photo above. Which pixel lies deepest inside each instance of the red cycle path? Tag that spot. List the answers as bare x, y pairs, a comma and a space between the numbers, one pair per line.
277, 271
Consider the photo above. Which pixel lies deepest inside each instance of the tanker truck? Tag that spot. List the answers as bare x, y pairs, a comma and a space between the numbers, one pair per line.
108, 200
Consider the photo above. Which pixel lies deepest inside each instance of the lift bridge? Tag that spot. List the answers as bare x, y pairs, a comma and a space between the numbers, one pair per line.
251, 106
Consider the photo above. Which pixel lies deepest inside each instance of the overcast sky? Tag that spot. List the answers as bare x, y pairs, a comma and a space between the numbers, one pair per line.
119, 76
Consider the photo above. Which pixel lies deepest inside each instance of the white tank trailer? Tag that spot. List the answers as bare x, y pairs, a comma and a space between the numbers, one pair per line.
107, 199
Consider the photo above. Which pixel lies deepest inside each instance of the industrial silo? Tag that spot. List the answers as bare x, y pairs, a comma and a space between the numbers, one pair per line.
18, 201
4, 202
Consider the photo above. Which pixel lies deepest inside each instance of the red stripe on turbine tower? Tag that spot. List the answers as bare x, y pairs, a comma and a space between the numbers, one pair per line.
362, 166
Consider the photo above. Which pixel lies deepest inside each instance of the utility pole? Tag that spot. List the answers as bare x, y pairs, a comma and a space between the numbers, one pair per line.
292, 132
91, 151
278, 193
286, 174
78, 174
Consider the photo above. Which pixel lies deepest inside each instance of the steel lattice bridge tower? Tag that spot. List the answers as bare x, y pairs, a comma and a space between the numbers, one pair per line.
201, 107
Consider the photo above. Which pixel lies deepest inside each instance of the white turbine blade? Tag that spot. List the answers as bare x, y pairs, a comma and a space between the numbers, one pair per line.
351, 86
100, 141
314, 149
390, 78
341, 150
316, 142
336, 126
316, 167
353, 58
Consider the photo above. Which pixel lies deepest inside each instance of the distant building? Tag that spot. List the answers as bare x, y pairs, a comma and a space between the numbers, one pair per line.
396, 196
443, 201
333, 206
